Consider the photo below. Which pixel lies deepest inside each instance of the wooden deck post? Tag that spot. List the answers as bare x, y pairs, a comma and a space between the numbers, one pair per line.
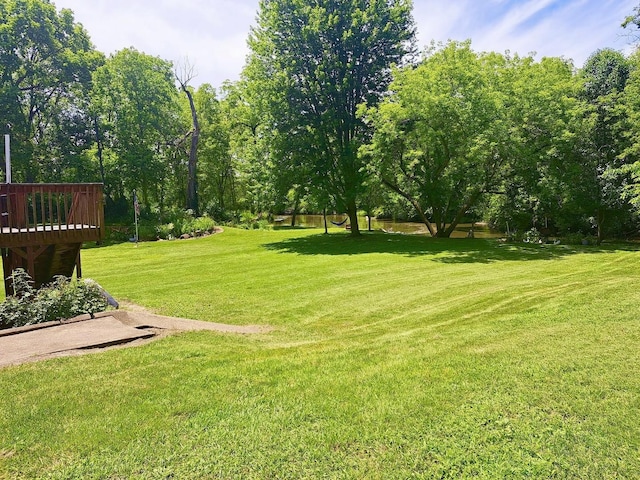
78, 265
6, 267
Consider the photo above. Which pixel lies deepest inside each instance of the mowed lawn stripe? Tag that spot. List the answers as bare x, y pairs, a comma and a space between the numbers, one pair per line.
392, 357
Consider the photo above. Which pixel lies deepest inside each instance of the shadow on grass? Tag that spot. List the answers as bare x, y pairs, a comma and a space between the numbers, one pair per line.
443, 250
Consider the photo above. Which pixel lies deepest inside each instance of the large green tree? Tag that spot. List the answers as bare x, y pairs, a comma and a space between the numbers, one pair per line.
319, 60
216, 171
441, 139
600, 183
545, 129
631, 155
243, 106
464, 127
136, 102
46, 60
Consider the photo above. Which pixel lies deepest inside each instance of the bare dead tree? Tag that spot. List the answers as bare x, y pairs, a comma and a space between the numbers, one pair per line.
184, 73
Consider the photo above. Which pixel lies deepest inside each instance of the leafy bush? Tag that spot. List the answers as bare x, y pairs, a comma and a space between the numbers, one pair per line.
146, 233
192, 226
16, 309
262, 224
126, 233
218, 214
532, 236
573, 238
62, 298
579, 239
249, 221
166, 231
180, 222
201, 224
247, 217
118, 233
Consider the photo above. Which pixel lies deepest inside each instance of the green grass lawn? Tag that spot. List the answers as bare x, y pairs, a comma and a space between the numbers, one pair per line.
391, 357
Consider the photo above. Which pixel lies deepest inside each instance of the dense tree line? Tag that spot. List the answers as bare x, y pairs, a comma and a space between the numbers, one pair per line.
77, 116
533, 144
335, 111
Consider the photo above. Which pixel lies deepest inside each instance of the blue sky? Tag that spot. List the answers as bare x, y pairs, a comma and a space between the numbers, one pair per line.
213, 33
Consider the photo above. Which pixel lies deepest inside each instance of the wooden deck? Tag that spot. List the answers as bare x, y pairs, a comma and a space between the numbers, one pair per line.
48, 234
52, 213
42, 226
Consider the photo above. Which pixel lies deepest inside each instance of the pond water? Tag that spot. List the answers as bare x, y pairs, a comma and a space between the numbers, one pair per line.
480, 230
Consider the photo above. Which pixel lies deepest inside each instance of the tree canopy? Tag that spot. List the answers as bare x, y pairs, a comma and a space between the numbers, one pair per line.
46, 64
464, 125
136, 100
325, 58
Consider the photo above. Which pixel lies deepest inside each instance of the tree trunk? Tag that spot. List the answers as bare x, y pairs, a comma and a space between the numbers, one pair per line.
459, 214
352, 212
192, 181
324, 215
600, 217
413, 202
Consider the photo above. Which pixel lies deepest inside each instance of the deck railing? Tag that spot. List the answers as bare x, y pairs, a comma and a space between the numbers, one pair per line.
38, 214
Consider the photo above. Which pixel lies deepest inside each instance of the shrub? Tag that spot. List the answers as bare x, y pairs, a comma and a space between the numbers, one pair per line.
532, 236
262, 224
573, 238
146, 233
579, 239
250, 221
192, 226
166, 231
218, 214
18, 308
202, 224
62, 298
177, 223
118, 233
127, 233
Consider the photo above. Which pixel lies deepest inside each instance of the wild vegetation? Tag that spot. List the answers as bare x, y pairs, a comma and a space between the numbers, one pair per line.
392, 356
529, 143
60, 299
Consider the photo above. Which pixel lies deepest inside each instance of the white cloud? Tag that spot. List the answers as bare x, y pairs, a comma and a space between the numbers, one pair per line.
436, 20
568, 28
213, 33
510, 25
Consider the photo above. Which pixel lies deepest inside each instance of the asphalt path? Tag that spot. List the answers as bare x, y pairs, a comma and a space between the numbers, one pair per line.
84, 334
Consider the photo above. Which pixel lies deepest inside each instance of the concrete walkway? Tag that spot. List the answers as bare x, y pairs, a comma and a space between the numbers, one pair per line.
82, 334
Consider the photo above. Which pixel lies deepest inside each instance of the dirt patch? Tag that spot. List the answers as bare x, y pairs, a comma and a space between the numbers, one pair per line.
140, 317
133, 307
132, 327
